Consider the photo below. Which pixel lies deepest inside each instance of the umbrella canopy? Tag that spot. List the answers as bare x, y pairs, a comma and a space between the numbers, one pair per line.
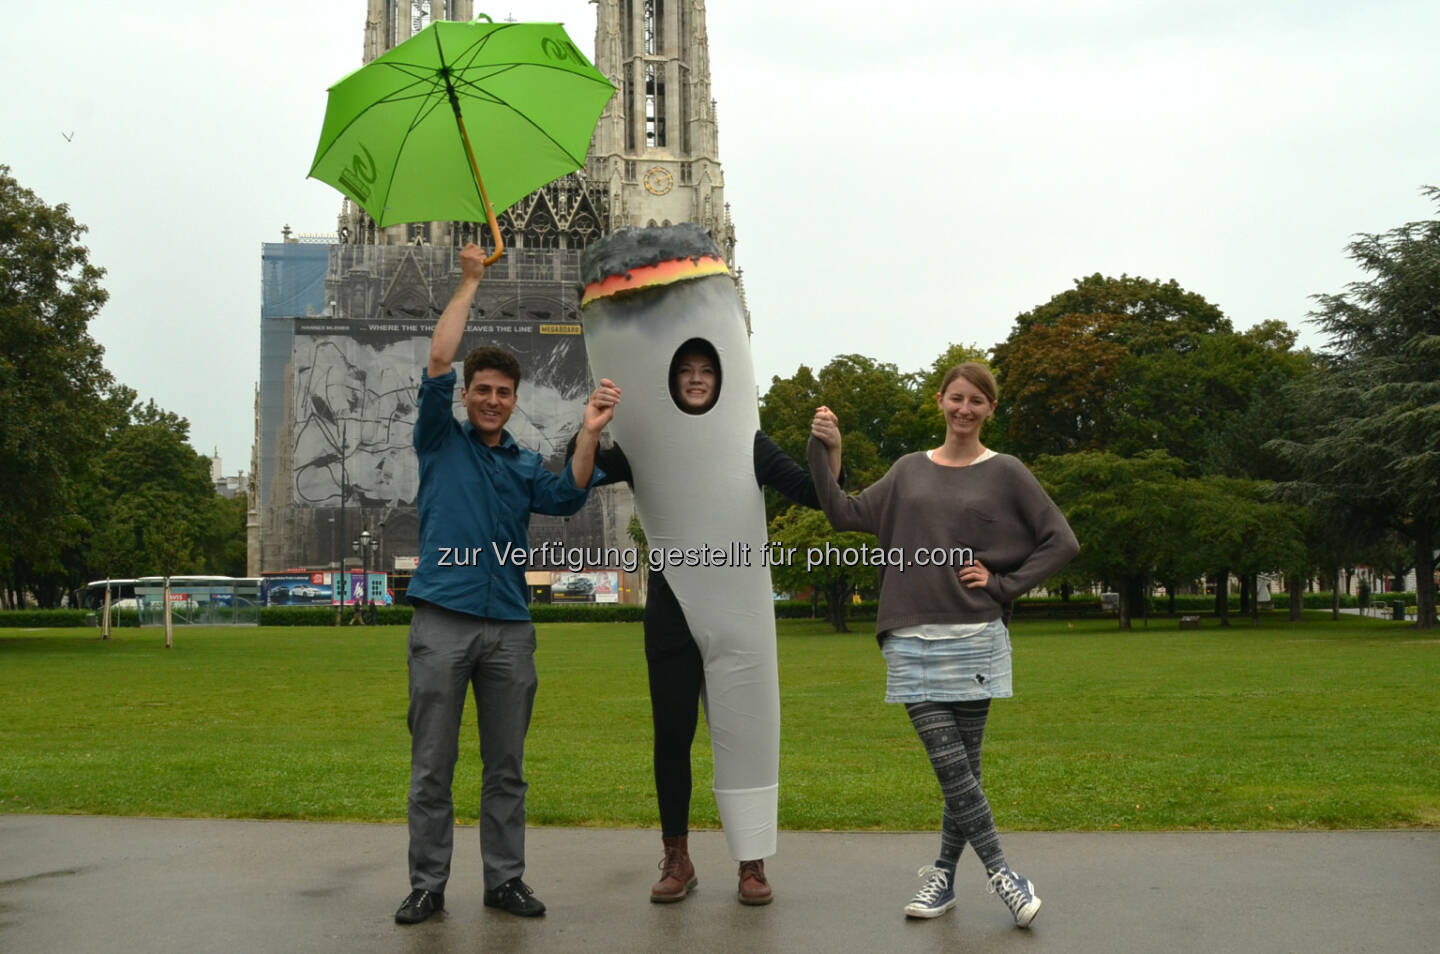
460, 122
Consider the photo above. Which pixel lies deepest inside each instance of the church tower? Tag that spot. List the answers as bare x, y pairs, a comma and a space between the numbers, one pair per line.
656, 147
388, 22
569, 213
655, 156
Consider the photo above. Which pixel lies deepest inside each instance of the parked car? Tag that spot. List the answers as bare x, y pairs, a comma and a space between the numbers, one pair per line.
574, 586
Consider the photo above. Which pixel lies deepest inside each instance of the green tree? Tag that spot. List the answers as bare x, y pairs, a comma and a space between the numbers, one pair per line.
1127, 365
882, 415
1266, 364
52, 383
953, 355
1373, 442
223, 540
1141, 521
1235, 527
1057, 382
799, 538
1158, 312
1127, 514
156, 511
1069, 366
1341, 533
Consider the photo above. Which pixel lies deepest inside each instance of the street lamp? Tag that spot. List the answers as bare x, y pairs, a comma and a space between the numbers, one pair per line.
340, 533
362, 545
344, 489
375, 559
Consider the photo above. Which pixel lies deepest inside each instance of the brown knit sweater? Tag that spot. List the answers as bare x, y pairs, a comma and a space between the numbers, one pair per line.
995, 508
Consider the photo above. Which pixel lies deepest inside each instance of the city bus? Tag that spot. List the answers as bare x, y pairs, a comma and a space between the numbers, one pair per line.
194, 600
93, 597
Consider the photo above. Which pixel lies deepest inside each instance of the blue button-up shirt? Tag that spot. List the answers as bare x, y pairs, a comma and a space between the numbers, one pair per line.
476, 500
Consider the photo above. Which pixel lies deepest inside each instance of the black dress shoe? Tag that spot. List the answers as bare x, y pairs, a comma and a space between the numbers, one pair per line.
516, 897
419, 906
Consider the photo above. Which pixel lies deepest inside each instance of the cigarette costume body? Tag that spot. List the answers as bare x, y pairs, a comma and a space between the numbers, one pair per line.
649, 291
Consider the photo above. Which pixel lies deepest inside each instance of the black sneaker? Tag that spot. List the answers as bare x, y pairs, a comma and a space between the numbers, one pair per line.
516, 897
419, 906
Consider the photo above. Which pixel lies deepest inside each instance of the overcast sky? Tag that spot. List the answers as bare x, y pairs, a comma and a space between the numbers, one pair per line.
898, 182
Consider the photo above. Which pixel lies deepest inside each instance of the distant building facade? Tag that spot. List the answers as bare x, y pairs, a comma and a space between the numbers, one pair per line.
226, 485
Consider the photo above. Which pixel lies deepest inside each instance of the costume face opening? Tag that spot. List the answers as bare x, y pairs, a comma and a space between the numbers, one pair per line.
695, 376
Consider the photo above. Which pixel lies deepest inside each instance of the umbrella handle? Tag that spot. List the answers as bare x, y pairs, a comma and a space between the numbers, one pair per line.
489, 210
490, 216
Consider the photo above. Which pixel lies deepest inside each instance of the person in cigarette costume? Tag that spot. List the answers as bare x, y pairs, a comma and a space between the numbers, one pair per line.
662, 317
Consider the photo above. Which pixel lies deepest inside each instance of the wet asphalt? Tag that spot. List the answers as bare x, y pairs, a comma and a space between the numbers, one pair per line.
102, 884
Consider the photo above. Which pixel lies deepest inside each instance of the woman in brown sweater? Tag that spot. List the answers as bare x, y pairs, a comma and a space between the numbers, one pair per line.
965, 531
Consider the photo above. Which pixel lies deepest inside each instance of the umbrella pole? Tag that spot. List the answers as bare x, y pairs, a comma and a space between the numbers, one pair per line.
489, 212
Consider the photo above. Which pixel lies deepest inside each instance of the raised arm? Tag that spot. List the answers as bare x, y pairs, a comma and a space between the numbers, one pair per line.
445, 342
597, 414
860, 512
564, 493
826, 427
778, 470
611, 460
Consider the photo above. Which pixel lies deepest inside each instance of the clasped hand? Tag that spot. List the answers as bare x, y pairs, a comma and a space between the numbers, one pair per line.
826, 427
601, 407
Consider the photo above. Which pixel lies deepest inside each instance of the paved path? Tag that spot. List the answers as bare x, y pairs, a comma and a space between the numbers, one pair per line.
76, 885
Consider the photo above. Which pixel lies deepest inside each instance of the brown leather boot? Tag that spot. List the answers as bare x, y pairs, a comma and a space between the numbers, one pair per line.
754, 889
677, 874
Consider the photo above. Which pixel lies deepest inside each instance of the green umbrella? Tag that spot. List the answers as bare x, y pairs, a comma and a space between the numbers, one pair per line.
395, 138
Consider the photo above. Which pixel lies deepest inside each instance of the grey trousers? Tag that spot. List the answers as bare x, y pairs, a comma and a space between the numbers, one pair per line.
448, 653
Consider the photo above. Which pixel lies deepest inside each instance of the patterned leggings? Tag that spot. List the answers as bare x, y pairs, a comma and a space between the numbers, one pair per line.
952, 733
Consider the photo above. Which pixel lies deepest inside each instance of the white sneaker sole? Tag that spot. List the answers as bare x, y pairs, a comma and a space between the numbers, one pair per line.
913, 910
1025, 915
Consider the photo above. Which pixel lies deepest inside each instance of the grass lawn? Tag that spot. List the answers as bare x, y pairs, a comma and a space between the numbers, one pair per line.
1315, 725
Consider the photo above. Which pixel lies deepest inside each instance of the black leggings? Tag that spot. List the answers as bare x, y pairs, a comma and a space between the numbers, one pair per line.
677, 678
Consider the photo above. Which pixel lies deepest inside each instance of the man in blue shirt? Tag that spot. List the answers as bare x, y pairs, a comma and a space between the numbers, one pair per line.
472, 619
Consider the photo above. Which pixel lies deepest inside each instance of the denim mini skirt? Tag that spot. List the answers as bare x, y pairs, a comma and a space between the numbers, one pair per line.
948, 670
